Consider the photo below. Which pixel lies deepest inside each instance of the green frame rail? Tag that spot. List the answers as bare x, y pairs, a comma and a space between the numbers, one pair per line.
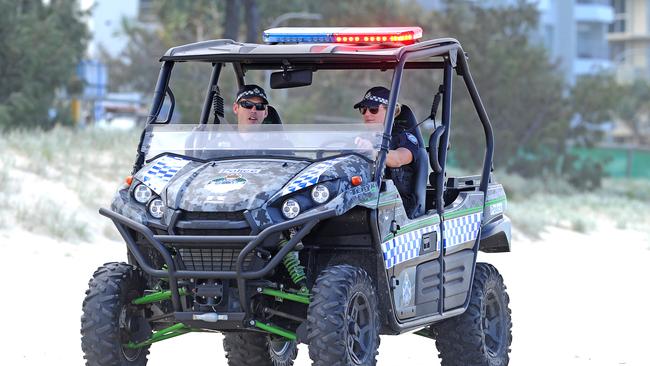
303, 299
169, 332
158, 296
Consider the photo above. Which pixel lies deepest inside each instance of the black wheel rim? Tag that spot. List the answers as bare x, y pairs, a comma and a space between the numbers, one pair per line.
493, 324
359, 322
126, 324
280, 348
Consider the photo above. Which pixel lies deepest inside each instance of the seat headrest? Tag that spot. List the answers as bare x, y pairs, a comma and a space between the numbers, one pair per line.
272, 118
406, 121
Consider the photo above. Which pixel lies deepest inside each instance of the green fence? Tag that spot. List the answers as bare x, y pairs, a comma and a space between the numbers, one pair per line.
619, 162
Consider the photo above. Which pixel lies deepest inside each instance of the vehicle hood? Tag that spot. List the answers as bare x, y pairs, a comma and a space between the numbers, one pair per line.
233, 185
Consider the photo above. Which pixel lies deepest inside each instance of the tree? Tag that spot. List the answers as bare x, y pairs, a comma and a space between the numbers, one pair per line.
520, 88
40, 46
593, 100
634, 108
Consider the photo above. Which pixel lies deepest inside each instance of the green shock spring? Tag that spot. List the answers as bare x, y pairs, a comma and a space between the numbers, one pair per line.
291, 262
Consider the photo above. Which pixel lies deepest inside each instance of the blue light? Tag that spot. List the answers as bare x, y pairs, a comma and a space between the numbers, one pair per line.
297, 38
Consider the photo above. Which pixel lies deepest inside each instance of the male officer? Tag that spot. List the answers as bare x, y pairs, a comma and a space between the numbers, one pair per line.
400, 161
251, 105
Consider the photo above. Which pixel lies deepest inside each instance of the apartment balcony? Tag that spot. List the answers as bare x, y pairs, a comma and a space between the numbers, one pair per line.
585, 66
594, 11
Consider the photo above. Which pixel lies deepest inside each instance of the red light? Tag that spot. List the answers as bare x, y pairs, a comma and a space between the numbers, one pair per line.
405, 35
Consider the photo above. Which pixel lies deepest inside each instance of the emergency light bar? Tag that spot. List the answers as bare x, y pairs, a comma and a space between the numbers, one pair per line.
371, 35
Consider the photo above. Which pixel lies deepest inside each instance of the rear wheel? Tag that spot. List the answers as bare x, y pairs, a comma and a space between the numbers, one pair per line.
482, 335
342, 319
253, 349
109, 321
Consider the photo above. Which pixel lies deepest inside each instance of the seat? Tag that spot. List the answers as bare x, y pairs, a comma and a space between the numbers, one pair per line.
272, 118
406, 121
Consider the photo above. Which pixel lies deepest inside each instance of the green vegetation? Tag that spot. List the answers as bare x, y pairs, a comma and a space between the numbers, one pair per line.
53, 183
534, 204
40, 45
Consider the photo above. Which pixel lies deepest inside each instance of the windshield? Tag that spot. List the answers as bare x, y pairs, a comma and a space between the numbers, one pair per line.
310, 141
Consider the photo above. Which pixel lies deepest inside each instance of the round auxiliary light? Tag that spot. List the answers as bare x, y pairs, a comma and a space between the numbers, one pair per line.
290, 208
320, 194
142, 193
156, 208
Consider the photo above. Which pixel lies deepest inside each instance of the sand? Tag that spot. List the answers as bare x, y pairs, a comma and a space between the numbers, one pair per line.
576, 299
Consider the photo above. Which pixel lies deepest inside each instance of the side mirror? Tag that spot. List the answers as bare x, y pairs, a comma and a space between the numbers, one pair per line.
291, 79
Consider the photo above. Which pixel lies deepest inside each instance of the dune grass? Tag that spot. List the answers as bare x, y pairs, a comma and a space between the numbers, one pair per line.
53, 182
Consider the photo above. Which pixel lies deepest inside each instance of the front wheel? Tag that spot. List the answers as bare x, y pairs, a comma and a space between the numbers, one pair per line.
482, 335
109, 321
258, 349
342, 319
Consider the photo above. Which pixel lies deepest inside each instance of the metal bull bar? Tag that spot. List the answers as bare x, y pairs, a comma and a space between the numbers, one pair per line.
307, 221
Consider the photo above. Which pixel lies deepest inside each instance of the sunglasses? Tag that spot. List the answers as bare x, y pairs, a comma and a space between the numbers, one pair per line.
372, 110
249, 105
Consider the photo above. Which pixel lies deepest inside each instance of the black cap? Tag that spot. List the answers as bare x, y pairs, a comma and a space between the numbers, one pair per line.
374, 97
251, 90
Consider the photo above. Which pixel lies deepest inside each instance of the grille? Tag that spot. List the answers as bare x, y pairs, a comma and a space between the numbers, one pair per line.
212, 259
230, 216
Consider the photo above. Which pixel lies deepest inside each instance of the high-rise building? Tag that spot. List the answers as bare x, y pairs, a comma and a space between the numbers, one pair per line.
629, 39
573, 31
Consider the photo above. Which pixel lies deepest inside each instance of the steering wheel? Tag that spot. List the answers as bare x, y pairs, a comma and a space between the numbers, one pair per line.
332, 143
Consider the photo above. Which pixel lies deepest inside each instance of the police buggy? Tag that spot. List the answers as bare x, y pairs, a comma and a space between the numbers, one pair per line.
288, 232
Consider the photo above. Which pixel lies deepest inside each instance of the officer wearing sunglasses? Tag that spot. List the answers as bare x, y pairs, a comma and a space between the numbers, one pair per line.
400, 161
250, 106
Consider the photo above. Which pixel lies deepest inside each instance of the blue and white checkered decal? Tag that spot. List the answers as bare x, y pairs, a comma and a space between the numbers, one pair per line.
310, 176
462, 229
405, 246
162, 171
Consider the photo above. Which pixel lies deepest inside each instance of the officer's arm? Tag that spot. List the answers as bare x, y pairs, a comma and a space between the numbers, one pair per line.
397, 158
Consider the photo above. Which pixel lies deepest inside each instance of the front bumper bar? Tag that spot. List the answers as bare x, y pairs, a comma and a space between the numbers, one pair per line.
306, 222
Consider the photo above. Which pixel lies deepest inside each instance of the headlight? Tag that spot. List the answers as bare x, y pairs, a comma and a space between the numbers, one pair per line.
156, 208
320, 194
290, 208
142, 193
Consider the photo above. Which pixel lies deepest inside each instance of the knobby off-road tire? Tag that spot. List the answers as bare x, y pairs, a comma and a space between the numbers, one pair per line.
482, 335
257, 349
343, 319
107, 302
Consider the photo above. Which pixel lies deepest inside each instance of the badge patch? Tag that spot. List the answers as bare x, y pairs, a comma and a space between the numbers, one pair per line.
412, 138
227, 183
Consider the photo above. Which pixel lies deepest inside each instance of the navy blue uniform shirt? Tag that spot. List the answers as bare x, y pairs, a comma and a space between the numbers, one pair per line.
403, 176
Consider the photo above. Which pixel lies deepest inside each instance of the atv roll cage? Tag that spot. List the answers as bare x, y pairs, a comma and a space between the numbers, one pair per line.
334, 57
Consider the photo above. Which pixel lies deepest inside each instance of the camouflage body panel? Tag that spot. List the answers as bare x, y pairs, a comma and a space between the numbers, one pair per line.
339, 169
124, 204
252, 184
231, 185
